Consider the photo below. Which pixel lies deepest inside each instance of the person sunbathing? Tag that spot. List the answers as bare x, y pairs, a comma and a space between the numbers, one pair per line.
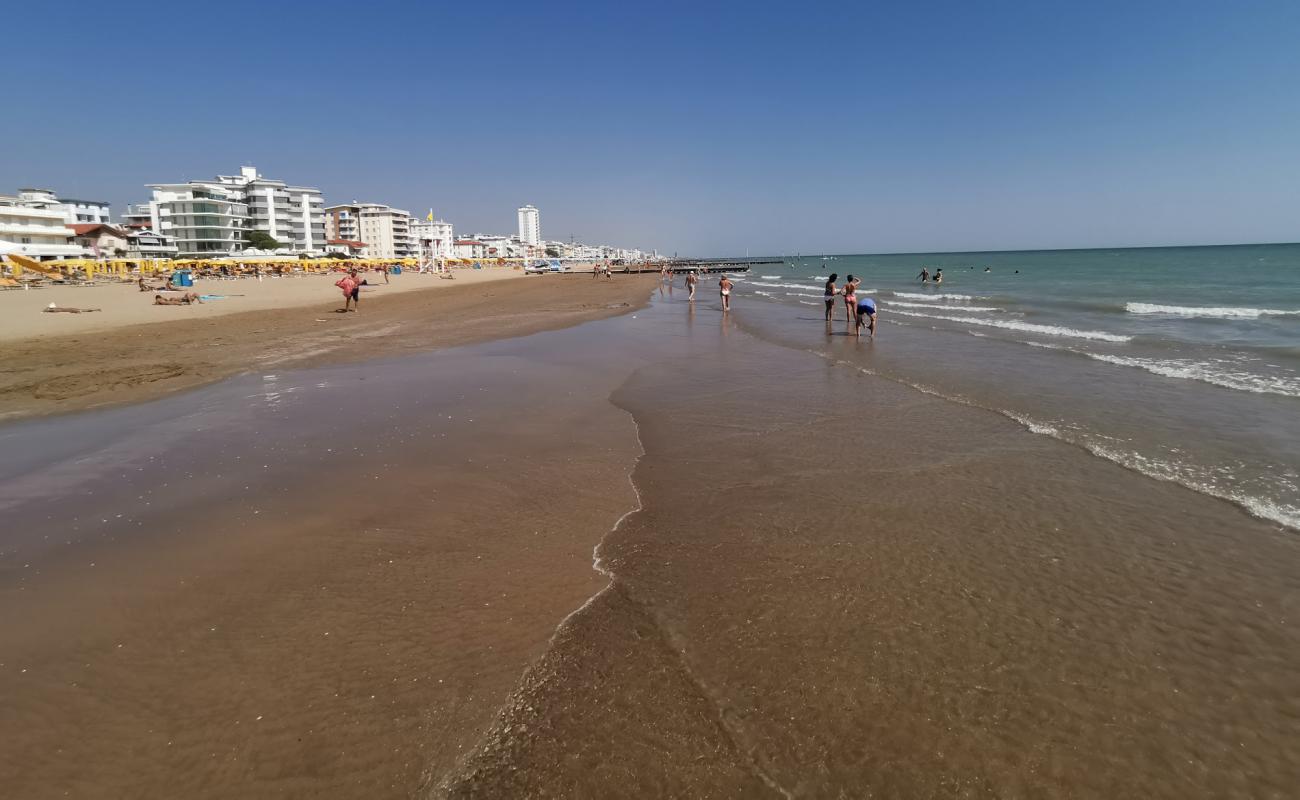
184, 299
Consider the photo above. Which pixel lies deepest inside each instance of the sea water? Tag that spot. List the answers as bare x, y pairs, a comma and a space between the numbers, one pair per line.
1182, 364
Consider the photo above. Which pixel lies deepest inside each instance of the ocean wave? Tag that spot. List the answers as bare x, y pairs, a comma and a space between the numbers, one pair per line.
1219, 372
788, 286
1027, 327
1213, 312
771, 277
1206, 372
919, 296
1184, 475
893, 303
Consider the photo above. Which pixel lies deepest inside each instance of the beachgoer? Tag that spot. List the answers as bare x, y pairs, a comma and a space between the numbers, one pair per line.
938, 277
185, 299
850, 292
384, 270
691, 280
867, 311
351, 291
988, 269
724, 289
831, 291
595, 271
925, 275
609, 274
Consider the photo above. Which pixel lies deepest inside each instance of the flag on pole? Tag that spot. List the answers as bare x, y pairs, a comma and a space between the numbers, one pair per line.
430, 217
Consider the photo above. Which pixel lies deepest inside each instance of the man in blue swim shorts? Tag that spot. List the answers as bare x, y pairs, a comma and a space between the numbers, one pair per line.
866, 316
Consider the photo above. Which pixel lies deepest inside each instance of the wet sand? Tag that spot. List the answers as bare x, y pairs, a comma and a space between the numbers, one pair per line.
300, 584
823, 584
126, 363
840, 586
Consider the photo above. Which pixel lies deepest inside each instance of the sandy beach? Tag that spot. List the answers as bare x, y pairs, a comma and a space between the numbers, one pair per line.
133, 350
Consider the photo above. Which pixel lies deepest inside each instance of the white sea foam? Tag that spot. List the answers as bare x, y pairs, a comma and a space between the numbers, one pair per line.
1027, 327
1219, 373
893, 303
771, 277
801, 294
788, 286
1224, 312
927, 296
1182, 474
807, 303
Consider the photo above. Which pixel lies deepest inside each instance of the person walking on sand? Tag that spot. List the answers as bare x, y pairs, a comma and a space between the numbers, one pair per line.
724, 289
351, 287
609, 273
691, 280
866, 317
925, 275
831, 292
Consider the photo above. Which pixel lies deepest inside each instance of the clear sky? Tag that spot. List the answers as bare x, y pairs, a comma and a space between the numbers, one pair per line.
697, 127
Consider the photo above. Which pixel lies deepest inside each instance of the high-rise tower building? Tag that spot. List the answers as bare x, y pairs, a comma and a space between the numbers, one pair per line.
530, 227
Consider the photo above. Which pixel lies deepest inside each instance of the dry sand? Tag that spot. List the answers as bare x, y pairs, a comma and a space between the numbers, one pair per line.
124, 304
94, 359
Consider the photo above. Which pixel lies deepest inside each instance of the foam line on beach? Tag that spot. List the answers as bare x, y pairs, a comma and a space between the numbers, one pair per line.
927, 296
1283, 514
1027, 327
1218, 373
906, 304
1209, 312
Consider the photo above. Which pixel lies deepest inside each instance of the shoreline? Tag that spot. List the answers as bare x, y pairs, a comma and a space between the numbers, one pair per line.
133, 363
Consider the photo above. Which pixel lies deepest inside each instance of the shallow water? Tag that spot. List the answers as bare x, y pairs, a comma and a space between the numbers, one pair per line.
1180, 363
838, 585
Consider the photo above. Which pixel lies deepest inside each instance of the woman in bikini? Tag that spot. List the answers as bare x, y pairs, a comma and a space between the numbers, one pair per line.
831, 291
724, 289
850, 297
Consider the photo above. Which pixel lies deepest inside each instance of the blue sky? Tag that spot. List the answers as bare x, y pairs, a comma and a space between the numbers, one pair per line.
701, 128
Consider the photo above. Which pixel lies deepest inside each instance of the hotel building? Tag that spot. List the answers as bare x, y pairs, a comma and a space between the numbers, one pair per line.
212, 218
385, 230
530, 227
75, 212
39, 233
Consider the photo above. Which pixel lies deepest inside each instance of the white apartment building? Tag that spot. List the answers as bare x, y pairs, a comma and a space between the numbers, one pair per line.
84, 212
39, 233
385, 230
433, 239
530, 226
293, 215
203, 219
212, 218
144, 243
470, 248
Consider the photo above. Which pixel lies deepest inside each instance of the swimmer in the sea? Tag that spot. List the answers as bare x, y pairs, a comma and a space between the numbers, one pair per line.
925, 275
938, 277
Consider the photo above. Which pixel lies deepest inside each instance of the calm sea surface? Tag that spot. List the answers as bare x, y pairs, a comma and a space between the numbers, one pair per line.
1179, 363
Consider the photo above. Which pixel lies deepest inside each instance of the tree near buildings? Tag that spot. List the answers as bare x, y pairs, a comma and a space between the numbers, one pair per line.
262, 241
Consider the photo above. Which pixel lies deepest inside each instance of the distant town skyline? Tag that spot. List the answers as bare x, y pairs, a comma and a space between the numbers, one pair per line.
704, 130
